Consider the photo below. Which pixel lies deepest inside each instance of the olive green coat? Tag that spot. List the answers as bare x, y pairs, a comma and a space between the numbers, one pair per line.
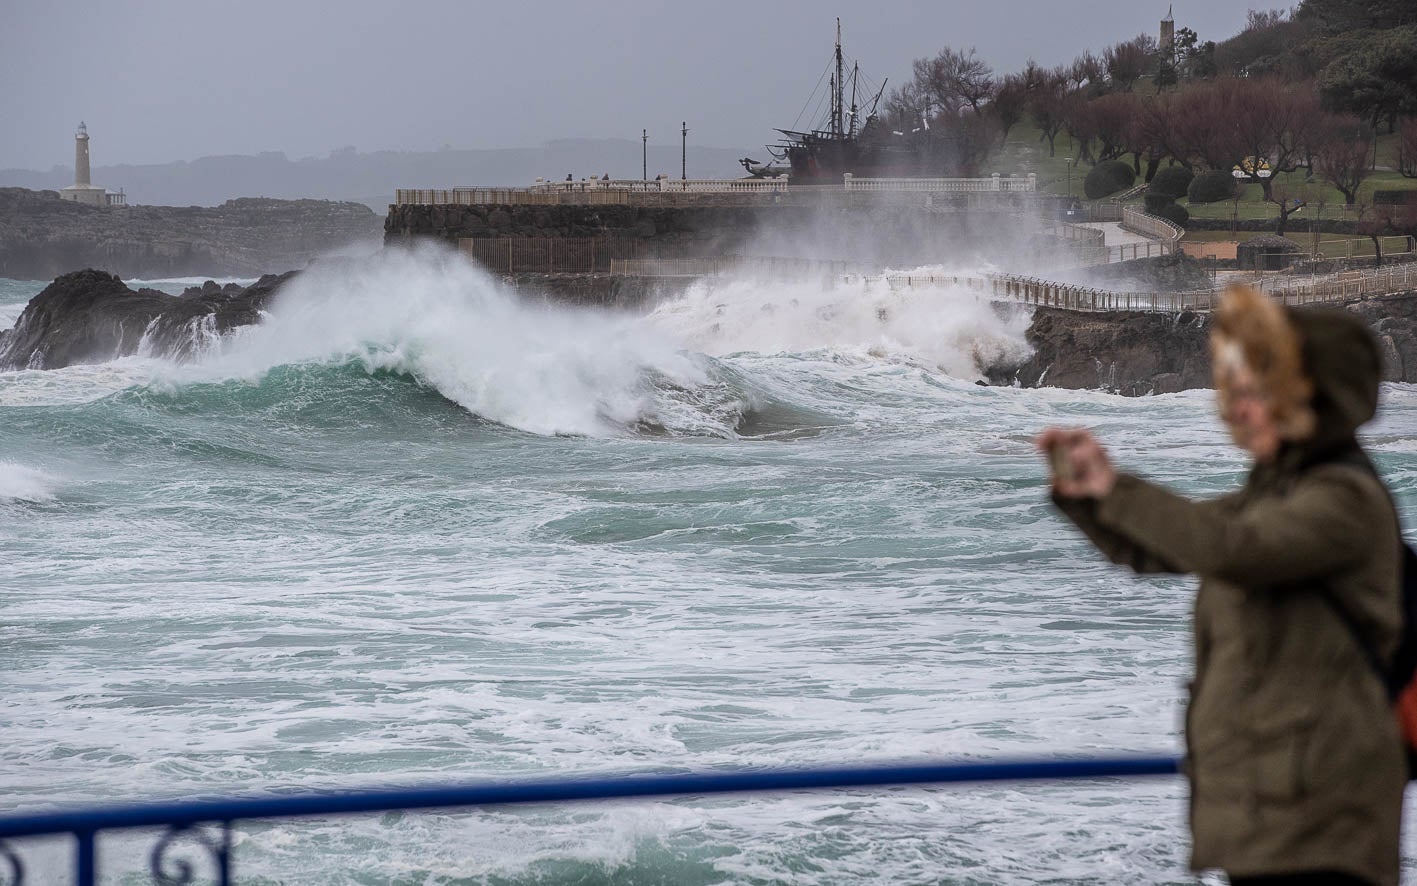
1293, 753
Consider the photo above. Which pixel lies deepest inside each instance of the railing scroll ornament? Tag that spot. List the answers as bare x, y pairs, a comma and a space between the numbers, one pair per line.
174, 871
12, 870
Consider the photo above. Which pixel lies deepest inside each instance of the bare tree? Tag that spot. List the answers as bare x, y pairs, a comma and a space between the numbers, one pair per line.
1407, 149
1113, 118
1274, 122
1201, 125
954, 78
1342, 160
1151, 132
975, 137
1080, 123
1288, 203
1086, 71
1048, 106
1033, 75
905, 109
1010, 102
1126, 62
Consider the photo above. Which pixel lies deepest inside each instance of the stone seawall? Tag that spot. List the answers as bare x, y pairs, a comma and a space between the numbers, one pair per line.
872, 235
1154, 353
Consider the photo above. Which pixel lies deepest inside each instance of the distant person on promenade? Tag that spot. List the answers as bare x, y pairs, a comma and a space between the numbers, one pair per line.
1294, 758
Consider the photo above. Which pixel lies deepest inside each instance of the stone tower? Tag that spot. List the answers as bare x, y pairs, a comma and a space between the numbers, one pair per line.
1167, 41
83, 190
81, 157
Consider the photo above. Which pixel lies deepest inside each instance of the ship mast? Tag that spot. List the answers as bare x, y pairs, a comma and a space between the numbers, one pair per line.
837, 87
855, 75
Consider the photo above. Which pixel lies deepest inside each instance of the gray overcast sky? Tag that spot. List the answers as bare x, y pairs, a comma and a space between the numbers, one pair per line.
162, 80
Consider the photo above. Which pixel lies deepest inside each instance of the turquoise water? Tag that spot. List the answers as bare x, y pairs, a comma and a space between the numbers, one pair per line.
411, 530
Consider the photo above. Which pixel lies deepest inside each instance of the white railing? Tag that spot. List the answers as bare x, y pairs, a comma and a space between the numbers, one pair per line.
1154, 226
665, 185
470, 196
627, 191
994, 182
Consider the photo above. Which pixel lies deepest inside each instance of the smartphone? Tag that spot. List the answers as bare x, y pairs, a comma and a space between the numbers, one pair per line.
1062, 467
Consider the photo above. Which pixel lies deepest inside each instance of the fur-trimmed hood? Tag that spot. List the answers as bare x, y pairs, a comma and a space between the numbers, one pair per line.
1319, 367
1342, 359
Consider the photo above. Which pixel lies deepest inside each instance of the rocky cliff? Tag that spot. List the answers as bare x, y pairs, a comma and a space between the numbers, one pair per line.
42, 236
1153, 353
91, 316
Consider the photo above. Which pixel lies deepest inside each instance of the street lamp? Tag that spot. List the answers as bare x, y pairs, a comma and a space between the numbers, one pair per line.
1070, 176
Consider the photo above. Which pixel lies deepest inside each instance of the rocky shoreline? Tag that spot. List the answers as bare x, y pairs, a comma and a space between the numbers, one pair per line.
1135, 354
90, 316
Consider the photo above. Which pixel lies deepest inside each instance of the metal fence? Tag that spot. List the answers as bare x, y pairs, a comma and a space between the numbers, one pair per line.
550, 255
209, 824
1362, 247
1342, 287
995, 182
1050, 293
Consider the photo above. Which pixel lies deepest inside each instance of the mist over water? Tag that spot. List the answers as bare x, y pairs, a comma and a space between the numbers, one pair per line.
411, 529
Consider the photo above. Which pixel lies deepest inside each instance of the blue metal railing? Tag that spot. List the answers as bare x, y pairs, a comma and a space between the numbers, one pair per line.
186, 818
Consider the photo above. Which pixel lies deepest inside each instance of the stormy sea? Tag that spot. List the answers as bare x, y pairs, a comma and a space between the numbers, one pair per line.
416, 529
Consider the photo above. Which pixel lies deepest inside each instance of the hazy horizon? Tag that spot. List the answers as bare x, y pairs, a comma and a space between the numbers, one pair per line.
159, 81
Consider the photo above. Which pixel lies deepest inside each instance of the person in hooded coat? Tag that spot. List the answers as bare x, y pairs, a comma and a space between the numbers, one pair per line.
1293, 754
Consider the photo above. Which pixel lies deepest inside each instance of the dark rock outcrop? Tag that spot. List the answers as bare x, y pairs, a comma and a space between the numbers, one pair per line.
1126, 353
1177, 272
1144, 353
42, 236
91, 316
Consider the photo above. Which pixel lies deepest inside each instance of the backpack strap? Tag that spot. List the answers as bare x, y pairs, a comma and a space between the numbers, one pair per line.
1355, 457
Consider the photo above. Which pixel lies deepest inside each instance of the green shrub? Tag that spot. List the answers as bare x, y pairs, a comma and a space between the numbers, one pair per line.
1173, 182
1175, 213
1154, 203
1106, 178
1211, 186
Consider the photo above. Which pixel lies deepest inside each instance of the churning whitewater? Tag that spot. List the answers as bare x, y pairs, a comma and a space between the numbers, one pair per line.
415, 528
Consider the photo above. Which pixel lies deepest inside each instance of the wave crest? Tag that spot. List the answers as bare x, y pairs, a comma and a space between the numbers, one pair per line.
21, 483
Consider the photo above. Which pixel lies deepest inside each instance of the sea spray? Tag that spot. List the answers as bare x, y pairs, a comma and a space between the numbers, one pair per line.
939, 326
21, 483
543, 369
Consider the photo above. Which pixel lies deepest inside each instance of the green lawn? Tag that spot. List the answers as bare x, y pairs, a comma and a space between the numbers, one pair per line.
1024, 152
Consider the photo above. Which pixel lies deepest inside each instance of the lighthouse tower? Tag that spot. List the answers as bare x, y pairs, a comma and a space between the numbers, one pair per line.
81, 157
1167, 41
82, 190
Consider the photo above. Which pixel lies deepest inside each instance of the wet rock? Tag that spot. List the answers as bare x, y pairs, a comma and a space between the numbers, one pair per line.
92, 316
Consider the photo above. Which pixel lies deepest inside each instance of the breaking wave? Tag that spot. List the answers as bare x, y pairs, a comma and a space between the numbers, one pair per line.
21, 483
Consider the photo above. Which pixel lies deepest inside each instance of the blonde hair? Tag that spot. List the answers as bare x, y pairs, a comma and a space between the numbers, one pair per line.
1252, 331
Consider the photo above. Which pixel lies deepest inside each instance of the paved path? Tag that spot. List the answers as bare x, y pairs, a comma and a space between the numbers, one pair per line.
1113, 234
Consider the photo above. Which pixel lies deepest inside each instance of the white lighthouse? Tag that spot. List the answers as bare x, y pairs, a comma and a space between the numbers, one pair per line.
82, 190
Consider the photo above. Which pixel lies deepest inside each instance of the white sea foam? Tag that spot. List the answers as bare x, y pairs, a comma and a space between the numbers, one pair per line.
81, 383
940, 326
541, 369
175, 285
21, 483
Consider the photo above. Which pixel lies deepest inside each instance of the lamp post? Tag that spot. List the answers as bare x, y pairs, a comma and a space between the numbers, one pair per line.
684, 151
1070, 177
644, 155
